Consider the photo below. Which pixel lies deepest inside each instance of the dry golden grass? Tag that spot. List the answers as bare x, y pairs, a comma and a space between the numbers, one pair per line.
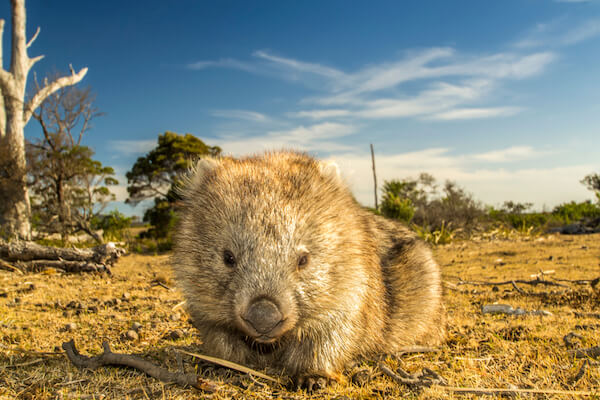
485, 351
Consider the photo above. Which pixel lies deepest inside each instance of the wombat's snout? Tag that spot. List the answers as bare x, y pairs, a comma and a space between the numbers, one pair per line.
263, 315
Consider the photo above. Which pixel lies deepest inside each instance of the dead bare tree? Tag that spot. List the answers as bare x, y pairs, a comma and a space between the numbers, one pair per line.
68, 188
15, 112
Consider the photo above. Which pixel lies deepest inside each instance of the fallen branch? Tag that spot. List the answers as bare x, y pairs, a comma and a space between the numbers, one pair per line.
509, 310
533, 282
129, 360
592, 352
32, 257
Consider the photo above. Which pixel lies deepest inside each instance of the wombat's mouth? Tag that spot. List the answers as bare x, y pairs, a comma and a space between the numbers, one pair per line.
262, 345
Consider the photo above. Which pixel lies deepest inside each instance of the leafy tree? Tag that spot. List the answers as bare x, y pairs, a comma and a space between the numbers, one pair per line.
592, 182
155, 175
69, 188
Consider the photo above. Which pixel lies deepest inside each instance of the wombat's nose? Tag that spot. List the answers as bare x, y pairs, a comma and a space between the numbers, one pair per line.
263, 315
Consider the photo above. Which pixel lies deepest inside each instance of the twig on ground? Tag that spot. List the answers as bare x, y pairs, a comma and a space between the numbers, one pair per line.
10, 267
568, 339
533, 282
229, 364
580, 373
575, 281
587, 315
518, 289
592, 352
513, 392
129, 360
25, 364
158, 283
425, 378
507, 309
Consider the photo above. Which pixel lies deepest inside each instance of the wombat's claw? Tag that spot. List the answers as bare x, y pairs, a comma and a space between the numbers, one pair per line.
311, 383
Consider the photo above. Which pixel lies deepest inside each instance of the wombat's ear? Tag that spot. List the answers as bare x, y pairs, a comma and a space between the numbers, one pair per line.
195, 175
330, 170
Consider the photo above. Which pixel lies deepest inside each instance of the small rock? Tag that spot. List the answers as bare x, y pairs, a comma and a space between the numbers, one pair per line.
175, 316
131, 335
175, 334
17, 300
495, 289
126, 296
136, 326
550, 258
93, 309
70, 327
584, 247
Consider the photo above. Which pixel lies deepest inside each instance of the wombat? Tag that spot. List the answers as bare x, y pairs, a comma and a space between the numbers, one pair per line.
282, 268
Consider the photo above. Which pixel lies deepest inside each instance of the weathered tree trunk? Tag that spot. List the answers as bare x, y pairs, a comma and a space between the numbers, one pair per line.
16, 112
32, 257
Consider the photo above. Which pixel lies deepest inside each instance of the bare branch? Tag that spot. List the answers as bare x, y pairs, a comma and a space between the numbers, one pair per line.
43, 93
33, 60
35, 35
130, 360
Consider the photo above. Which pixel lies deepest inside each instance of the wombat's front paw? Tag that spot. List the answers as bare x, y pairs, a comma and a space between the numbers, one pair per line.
311, 382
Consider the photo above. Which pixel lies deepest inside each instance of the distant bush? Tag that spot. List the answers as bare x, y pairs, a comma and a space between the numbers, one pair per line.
114, 225
394, 207
420, 202
573, 211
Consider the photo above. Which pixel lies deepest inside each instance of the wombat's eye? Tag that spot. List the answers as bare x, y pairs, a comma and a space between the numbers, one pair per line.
229, 258
302, 260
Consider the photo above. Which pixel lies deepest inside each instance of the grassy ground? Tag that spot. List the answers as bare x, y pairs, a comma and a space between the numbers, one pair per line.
485, 351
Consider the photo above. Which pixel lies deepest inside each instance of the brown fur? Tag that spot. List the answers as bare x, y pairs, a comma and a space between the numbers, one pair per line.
370, 286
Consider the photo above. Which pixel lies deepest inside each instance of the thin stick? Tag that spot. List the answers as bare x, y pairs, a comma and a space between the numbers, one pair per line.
592, 352
39, 360
514, 392
230, 364
10, 267
533, 282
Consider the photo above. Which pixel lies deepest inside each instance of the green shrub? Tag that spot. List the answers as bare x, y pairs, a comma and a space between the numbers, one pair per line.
113, 224
573, 211
394, 207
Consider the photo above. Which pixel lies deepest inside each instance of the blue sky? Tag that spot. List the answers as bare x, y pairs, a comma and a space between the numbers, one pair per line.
502, 97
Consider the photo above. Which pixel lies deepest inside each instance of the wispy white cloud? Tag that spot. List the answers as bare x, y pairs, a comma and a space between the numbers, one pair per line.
300, 66
224, 63
586, 30
475, 113
320, 114
130, 147
508, 154
312, 137
240, 114
559, 33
